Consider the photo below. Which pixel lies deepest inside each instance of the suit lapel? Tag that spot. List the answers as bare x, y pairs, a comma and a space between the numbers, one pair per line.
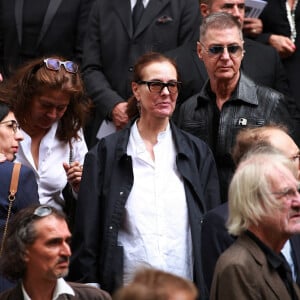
124, 11
51, 11
19, 18
271, 277
151, 11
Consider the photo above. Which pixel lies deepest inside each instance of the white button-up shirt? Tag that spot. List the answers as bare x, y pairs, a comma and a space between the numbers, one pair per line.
156, 230
50, 175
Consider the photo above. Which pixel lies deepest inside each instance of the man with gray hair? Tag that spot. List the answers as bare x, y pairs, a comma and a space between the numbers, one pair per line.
229, 100
36, 255
264, 212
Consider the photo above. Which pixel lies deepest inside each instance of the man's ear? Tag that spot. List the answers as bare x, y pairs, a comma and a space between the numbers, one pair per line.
199, 50
204, 9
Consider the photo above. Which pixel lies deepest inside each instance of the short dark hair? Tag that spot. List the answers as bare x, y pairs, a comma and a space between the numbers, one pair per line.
21, 233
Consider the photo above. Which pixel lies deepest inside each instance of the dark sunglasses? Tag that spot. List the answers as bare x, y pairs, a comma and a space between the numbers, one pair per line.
54, 64
233, 50
157, 86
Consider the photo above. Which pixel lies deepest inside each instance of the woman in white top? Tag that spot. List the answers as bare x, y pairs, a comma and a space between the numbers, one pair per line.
51, 108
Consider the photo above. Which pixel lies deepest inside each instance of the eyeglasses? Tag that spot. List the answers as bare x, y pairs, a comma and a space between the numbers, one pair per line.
288, 192
43, 211
54, 64
12, 124
215, 51
157, 86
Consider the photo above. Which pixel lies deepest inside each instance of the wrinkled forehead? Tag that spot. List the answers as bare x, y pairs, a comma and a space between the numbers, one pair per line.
222, 36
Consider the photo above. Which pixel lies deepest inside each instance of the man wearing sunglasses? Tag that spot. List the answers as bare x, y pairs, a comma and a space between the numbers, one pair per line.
36, 255
229, 100
260, 62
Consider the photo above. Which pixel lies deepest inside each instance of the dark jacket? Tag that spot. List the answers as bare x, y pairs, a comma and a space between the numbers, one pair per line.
61, 31
112, 48
26, 195
216, 239
106, 183
250, 105
243, 272
82, 292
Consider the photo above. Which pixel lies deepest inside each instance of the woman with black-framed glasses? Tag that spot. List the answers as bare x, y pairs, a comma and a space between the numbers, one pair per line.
144, 189
51, 108
27, 193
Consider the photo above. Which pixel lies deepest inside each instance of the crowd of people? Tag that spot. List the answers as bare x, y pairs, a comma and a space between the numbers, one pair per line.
149, 150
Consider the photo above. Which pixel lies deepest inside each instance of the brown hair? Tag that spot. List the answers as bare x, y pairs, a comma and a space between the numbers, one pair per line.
142, 62
152, 284
32, 79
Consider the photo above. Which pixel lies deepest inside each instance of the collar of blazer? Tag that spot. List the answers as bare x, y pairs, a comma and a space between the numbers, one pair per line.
51, 11
151, 12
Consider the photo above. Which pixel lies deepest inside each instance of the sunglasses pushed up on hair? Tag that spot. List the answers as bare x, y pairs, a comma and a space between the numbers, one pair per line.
55, 64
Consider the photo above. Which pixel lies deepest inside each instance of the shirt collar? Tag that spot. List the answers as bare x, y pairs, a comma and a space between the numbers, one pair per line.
61, 288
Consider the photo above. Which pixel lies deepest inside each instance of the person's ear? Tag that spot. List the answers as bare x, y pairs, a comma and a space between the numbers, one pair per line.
199, 50
135, 90
26, 256
204, 9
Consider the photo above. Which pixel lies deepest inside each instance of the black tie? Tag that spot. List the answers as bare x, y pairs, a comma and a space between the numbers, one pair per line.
137, 13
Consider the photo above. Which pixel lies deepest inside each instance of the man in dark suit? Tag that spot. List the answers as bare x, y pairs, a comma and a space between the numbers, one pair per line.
264, 205
215, 238
260, 62
36, 254
112, 46
53, 27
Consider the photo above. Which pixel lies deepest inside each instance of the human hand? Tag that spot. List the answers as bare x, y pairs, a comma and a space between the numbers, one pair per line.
282, 44
119, 115
252, 27
74, 174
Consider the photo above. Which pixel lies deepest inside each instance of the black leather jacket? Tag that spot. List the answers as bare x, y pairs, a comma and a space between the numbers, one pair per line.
250, 105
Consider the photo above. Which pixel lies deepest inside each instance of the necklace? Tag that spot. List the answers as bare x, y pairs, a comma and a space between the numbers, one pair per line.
291, 19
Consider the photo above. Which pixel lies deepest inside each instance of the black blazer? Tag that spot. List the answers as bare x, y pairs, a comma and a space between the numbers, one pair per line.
62, 31
111, 47
215, 239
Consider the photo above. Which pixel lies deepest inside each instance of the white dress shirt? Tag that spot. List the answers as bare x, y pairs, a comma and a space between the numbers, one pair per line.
156, 230
50, 175
133, 2
62, 288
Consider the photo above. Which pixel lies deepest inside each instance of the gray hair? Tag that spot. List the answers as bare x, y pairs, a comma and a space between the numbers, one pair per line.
250, 195
219, 20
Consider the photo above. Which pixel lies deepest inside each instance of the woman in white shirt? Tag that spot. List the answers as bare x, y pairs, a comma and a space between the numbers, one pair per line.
51, 108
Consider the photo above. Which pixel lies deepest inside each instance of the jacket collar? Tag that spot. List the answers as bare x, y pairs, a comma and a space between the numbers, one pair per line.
150, 14
245, 91
51, 11
272, 279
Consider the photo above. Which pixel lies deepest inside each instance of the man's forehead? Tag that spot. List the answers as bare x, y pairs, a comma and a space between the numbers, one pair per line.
222, 36
51, 226
228, 3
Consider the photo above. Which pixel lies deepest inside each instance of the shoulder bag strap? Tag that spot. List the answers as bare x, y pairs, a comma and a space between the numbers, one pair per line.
11, 198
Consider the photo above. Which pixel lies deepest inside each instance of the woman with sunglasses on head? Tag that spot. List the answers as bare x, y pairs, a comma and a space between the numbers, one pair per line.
144, 189
51, 107
27, 192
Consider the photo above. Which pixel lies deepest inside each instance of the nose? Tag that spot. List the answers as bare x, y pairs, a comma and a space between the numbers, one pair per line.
165, 90
19, 136
65, 249
52, 113
225, 54
237, 13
